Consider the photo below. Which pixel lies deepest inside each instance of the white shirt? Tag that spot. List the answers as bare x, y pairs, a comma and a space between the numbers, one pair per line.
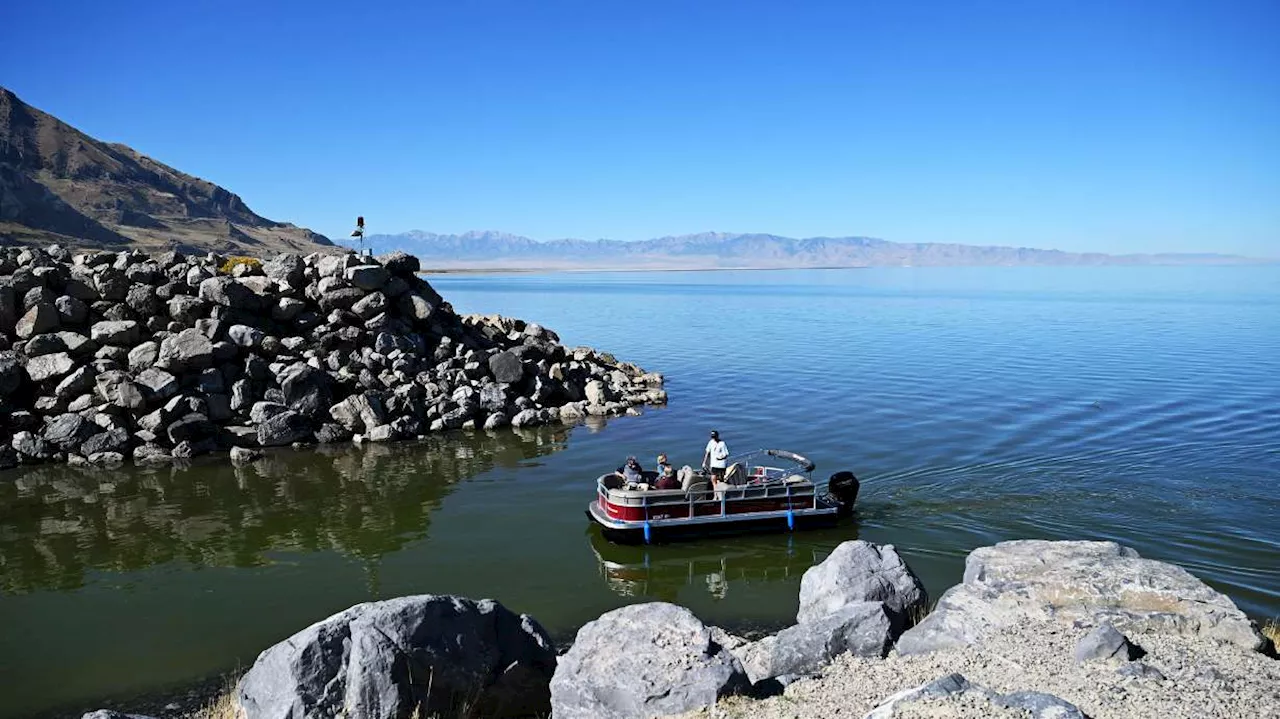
718, 451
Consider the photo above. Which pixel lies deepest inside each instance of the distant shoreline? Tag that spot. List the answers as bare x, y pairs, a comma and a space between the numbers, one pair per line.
557, 270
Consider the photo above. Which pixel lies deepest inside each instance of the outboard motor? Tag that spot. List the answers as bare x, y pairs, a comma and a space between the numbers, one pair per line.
844, 487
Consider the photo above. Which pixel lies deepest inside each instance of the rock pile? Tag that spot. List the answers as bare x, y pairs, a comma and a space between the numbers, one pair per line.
110, 356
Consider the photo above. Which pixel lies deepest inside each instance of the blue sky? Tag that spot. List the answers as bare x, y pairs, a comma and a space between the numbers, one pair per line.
1111, 126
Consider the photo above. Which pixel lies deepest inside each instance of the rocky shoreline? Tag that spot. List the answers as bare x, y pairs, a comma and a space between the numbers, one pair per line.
109, 357
1049, 630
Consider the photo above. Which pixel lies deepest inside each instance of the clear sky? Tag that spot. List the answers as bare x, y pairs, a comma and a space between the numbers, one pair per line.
1116, 125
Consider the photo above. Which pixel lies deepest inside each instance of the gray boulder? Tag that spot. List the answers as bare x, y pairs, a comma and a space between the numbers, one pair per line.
1026, 581
121, 332
285, 268
76, 383
367, 277
46, 367
67, 431
143, 356
186, 351
29, 444
160, 384
284, 428
859, 571
953, 695
1105, 642
187, 309
230, 292
415, 307
641, 661
41, 318
506, 367
76, 344
359, 412
246, 336
285, 309
400, 263
423, 655
306, 389
863, 629
113, 440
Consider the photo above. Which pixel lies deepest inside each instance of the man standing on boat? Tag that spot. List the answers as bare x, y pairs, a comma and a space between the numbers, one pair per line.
715, 455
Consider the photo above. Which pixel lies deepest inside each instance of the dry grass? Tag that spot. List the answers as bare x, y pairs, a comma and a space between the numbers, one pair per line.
230, 265
223, 706
1271, 630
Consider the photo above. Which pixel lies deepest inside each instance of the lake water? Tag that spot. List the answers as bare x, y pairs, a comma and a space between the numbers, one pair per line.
977, 405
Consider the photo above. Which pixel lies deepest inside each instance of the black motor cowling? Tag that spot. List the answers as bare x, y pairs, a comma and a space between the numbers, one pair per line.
844, 487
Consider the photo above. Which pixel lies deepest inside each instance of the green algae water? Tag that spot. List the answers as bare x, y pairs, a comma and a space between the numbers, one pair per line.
979, 404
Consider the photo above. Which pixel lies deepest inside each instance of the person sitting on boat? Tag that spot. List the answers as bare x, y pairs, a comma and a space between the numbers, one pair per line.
715, 456
667, 478
664, 465
632, 472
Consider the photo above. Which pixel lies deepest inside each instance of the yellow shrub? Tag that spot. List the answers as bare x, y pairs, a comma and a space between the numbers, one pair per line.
231, 263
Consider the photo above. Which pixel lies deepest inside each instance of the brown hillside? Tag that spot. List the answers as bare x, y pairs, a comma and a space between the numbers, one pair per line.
57, 184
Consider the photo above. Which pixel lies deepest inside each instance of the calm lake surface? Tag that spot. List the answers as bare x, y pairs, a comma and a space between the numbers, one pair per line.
977, 405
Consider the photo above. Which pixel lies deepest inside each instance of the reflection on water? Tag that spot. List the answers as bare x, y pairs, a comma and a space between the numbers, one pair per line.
663, 572
57, 523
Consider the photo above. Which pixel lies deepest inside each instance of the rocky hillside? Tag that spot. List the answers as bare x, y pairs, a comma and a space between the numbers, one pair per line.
722, 250
115, 356
58, 184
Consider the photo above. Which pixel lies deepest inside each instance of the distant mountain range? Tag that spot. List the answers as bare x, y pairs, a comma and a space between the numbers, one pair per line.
57, 184
711, 250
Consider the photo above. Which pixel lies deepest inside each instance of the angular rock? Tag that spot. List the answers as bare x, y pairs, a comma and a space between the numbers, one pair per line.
230, 292
506, 367
67, 431
160, 385
187, 351
953, 695
416, 307
359, 412
187, 309
372, 304
246, 336
143, 356
29, 444
526, 418
41, 318
286, 268
863, 629
859, 571
1105, 642
284, 428
400, 263
121, 333
76, 344
424, 655
46, 367
76, 383
263, 411
643, 660
115, 440
367, 277
306, 389
1026, 581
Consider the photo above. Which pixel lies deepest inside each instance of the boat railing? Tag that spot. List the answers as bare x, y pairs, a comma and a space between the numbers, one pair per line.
719, 494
